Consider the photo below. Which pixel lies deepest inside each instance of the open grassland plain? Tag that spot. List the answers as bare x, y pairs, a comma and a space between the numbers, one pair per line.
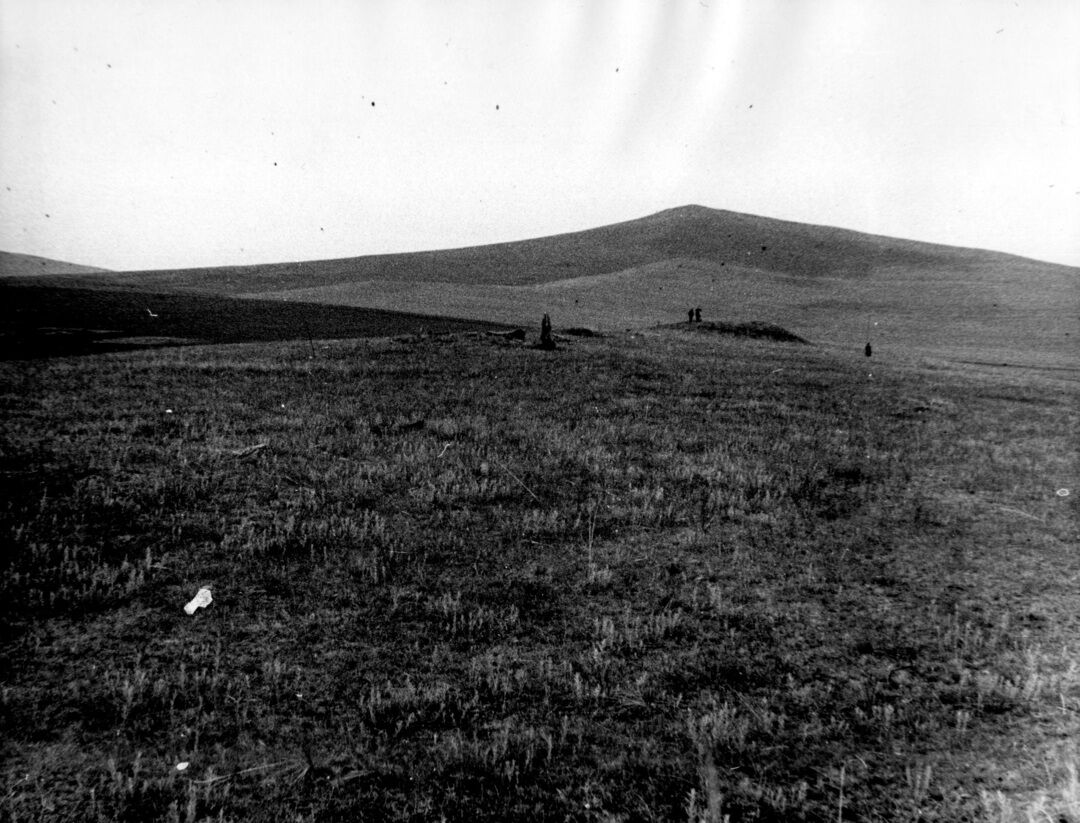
649, 577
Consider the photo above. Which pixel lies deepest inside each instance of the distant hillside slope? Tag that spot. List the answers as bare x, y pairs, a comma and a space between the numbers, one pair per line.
27, 265
41, 320
827, 285
689, 232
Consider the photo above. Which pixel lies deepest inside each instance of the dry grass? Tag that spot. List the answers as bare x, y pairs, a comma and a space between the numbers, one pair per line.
649, 577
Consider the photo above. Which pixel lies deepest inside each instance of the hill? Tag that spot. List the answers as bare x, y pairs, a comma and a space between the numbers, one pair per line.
707, 235
28, 265
828, 285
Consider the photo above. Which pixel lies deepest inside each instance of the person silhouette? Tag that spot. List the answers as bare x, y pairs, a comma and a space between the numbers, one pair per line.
697, 314
690, 316
867, 351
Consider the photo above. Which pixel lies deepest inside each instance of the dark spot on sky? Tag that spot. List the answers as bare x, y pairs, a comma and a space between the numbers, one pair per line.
373, 103
496, 107
275, 164
764, 247
616, 69
46, 215
750, 106
108, 65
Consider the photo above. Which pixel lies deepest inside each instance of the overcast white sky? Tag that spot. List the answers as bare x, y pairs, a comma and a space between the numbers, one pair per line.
151, 134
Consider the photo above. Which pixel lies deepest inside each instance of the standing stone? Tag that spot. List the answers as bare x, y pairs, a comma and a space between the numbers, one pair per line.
546, 341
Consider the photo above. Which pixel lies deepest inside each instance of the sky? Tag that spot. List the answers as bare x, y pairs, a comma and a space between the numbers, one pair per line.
138, 134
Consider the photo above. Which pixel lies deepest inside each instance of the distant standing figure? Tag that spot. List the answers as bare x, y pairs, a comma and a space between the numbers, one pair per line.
697, 314
545, 333
867, 350
690, 316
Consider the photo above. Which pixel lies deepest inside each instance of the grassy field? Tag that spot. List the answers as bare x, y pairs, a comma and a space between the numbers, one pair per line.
652, 576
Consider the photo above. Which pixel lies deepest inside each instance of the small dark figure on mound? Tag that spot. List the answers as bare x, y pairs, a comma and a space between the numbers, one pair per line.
697, 314
867, 351
690, 316
546, 341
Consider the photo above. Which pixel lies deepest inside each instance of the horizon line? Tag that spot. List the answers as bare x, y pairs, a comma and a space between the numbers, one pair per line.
533, 237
